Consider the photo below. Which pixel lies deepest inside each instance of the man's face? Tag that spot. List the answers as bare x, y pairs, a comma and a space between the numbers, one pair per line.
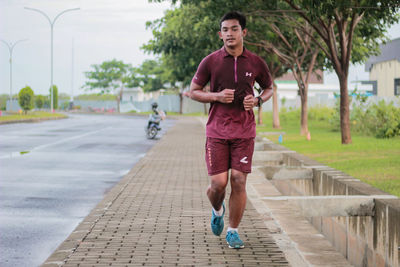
232, 33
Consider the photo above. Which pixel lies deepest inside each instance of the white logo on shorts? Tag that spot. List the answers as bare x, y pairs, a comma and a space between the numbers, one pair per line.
248, 74
244, 160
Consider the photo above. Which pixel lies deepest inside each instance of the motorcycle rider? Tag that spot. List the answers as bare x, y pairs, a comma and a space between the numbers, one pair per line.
154, 107
156, 117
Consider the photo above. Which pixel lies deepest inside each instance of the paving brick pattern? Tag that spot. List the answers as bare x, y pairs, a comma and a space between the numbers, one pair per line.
159, 215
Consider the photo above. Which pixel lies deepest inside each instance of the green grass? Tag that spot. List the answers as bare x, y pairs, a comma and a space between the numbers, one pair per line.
374, 161
31, 115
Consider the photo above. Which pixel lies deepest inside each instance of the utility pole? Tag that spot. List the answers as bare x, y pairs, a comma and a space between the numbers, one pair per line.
51, 37
10, 49
71, 104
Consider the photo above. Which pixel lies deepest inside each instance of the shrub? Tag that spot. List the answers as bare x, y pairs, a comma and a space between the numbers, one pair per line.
381, 120
385, 122
3, 101
320, 113
335, 117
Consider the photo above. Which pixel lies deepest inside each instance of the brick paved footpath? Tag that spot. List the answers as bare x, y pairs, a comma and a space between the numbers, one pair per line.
159, 215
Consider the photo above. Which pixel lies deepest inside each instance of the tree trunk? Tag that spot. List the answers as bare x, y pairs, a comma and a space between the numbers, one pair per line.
275, 110
119, 97
304, 114
181, 102
344, 110
205, 109
259, 119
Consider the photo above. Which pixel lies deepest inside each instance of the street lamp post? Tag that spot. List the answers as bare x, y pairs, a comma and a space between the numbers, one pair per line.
51, 36
10, 49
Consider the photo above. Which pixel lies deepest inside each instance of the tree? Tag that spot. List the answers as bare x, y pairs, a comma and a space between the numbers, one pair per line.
347, 27
174, 40
185, 35
40, 101
294, 50
149, 75
108, 77
259, 31
299, 53
55, 96
25, 98
277, 69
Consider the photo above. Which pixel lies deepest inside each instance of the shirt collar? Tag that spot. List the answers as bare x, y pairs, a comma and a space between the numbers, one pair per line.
226, 54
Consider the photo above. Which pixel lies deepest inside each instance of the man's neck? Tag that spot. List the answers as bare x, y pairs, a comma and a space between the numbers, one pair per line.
234, 51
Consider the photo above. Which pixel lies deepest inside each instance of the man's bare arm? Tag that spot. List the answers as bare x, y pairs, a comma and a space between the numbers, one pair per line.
250, 101
266, 94
197, 93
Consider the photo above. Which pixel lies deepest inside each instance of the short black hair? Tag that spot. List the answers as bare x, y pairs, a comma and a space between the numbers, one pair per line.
234, 15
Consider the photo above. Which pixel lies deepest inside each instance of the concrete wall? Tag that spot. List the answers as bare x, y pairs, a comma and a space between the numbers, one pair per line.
363, 240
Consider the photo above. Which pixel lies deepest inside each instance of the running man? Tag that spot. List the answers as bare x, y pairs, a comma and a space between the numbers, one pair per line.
231, 128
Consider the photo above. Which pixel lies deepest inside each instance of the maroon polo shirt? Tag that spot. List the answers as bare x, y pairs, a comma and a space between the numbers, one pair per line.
230, 121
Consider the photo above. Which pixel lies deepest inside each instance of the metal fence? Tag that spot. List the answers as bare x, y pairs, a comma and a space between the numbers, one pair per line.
171, 103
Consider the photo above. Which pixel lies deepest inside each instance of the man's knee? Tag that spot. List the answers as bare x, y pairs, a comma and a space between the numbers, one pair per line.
238, 180
219, 183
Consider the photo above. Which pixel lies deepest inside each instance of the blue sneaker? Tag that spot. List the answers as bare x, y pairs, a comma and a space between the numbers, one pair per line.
233, 239
217, 222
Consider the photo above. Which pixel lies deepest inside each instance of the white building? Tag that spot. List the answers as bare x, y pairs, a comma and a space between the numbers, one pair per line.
289, 90
384, 70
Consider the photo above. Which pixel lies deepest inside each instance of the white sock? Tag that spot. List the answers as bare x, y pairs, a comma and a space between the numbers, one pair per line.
232, 229
219, 212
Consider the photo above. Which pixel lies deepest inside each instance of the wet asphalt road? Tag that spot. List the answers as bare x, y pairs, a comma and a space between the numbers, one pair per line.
69, 166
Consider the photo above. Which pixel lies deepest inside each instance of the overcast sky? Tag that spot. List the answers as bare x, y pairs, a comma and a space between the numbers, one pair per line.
101, 30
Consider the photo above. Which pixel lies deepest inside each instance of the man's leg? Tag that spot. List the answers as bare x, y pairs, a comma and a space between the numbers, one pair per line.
216, 189
217, 159
216, 194
237, 200
241, 157
237, 204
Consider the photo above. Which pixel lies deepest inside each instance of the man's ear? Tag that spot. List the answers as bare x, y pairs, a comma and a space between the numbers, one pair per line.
220, 35
244, 32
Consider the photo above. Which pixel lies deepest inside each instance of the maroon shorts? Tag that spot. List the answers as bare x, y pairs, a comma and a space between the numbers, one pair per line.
225, 154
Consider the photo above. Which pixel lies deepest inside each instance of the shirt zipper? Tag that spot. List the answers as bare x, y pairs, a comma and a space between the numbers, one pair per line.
235, 69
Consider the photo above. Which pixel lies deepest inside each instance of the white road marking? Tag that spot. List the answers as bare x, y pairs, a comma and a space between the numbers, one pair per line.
18, 153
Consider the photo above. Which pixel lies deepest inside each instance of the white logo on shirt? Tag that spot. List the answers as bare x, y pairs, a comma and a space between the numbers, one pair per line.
248, 74
244, 160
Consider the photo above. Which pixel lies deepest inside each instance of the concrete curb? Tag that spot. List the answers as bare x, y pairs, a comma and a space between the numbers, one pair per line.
367, 234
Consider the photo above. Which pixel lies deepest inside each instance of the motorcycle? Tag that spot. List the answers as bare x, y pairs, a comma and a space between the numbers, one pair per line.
153, 125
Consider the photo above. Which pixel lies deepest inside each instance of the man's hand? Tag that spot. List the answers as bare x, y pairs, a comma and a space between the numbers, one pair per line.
249, 102
226, 96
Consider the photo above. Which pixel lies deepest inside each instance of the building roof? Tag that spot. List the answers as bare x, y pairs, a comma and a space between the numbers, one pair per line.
317, 77
389, 51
